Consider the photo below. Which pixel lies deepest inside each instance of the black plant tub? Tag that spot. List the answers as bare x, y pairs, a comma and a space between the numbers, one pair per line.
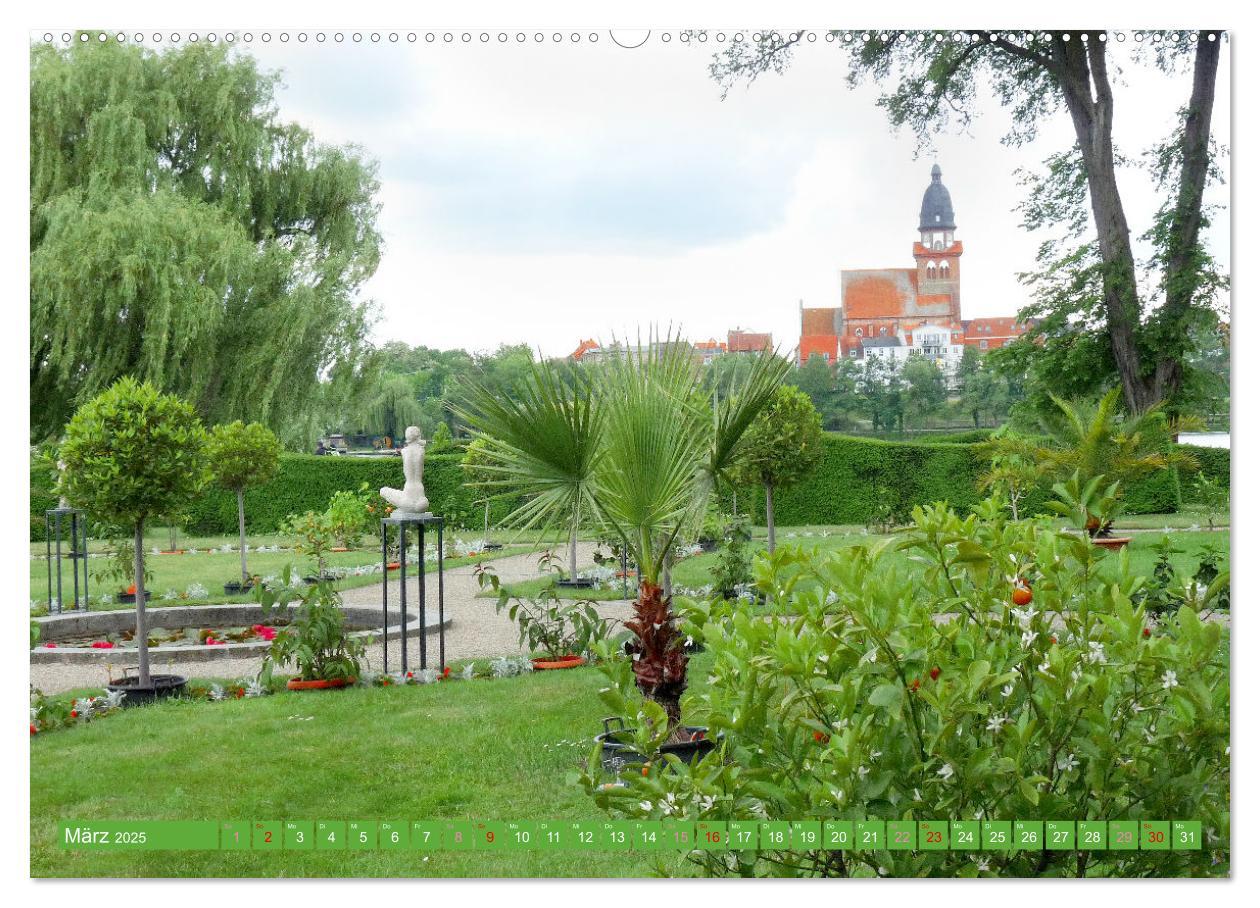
579, 583
160, 686
126, 598
236, 587
617, 755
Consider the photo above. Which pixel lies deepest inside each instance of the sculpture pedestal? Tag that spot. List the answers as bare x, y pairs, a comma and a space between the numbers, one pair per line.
422, 522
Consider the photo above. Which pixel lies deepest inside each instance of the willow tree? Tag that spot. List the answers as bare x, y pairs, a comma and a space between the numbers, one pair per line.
183, 235
932, 81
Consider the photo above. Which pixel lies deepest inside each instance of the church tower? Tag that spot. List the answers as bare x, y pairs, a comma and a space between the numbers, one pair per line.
937, 254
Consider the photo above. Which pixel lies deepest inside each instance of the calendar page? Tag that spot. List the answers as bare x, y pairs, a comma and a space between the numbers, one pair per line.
741, 450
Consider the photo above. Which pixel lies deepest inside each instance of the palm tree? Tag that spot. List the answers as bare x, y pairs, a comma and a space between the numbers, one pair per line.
1087, 439
638, 444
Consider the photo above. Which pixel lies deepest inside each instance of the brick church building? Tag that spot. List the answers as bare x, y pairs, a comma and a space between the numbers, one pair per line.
902, 312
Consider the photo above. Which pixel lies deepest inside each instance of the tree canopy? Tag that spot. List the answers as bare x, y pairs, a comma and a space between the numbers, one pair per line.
183, 235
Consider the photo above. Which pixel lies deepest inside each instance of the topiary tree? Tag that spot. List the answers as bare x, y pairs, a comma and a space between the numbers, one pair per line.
242, 457
132, 454
783, 445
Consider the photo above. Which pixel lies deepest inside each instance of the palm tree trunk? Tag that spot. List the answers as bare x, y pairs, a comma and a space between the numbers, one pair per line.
659, 660
142, 632
573, 570
240, 519
770, 518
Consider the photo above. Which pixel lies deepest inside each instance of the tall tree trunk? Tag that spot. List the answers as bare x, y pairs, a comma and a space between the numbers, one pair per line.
240, 520
1187, 215
142, 631
1081, 71
769, 518
573, 572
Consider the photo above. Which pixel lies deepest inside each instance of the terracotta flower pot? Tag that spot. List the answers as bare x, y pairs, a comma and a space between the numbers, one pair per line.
569, 661
319, 684
1112, 542
394, 565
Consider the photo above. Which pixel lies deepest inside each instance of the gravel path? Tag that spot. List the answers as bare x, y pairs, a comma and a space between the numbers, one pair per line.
476, 630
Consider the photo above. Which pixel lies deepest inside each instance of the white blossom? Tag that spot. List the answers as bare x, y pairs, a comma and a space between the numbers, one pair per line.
1067, 764
1170, 679
982, 865
1095, 653
996, 722
1027, 638
1008, 690
946, 772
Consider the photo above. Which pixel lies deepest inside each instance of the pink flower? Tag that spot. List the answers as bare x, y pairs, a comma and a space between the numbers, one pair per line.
102, 644
50, 646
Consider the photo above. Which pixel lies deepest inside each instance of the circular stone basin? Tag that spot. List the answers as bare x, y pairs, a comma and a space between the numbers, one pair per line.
364, 622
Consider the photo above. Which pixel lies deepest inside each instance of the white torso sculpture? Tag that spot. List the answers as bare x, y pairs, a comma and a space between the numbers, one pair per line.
410, 500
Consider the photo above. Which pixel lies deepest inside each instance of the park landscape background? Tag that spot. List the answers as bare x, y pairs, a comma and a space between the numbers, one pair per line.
218, 255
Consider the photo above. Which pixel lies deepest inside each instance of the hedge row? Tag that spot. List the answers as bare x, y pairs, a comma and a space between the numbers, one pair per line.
854, 476
306, 482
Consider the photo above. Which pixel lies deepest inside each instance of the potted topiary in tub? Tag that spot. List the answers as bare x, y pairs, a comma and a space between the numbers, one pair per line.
133, 454
315, 639
242, 457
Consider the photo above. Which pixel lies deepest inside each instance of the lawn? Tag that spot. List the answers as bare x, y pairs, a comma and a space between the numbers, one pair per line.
695, 572
212, 569
460, 750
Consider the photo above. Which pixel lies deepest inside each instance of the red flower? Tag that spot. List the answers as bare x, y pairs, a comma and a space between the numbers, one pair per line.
821, 738
446, 672
935, 673
914, 685
33, 728
240, 693
410, 675
1054, 639
50, 646
645, 770
74, 714
210, 641
102, 644
1146, 632
131, 590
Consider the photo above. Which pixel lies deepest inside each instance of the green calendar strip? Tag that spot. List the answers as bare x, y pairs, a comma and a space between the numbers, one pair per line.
634, 835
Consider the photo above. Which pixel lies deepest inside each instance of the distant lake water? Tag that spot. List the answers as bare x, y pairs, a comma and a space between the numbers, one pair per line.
1205, 439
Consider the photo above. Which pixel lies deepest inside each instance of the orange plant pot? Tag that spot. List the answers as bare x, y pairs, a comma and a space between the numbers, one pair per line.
320, 684
1112, 542
570, 661
393, 565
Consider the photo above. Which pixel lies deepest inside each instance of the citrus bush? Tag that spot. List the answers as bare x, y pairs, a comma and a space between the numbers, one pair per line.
874, 693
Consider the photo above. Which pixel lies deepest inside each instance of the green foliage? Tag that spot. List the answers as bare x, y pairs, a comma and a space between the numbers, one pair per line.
870, 693
119, 566
182, 234
1210, 498
306, 482
733, 570
784, 442
243, 456
315, 638
1087, 503
857, 477
558, 627
313, 535
132, 453
350, 514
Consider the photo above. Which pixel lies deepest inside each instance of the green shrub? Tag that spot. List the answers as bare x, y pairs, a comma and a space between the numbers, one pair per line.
876, 693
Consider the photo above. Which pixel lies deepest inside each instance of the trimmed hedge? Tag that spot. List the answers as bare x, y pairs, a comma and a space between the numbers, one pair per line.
844, 489
846, 486
306, 482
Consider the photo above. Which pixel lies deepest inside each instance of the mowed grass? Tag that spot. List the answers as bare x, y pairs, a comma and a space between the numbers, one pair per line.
696, 572
467, 750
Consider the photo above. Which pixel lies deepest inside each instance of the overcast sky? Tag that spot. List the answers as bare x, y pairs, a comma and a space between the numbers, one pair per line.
548, 193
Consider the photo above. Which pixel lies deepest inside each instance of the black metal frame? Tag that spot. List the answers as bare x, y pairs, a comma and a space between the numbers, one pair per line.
420, 523
54, 523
